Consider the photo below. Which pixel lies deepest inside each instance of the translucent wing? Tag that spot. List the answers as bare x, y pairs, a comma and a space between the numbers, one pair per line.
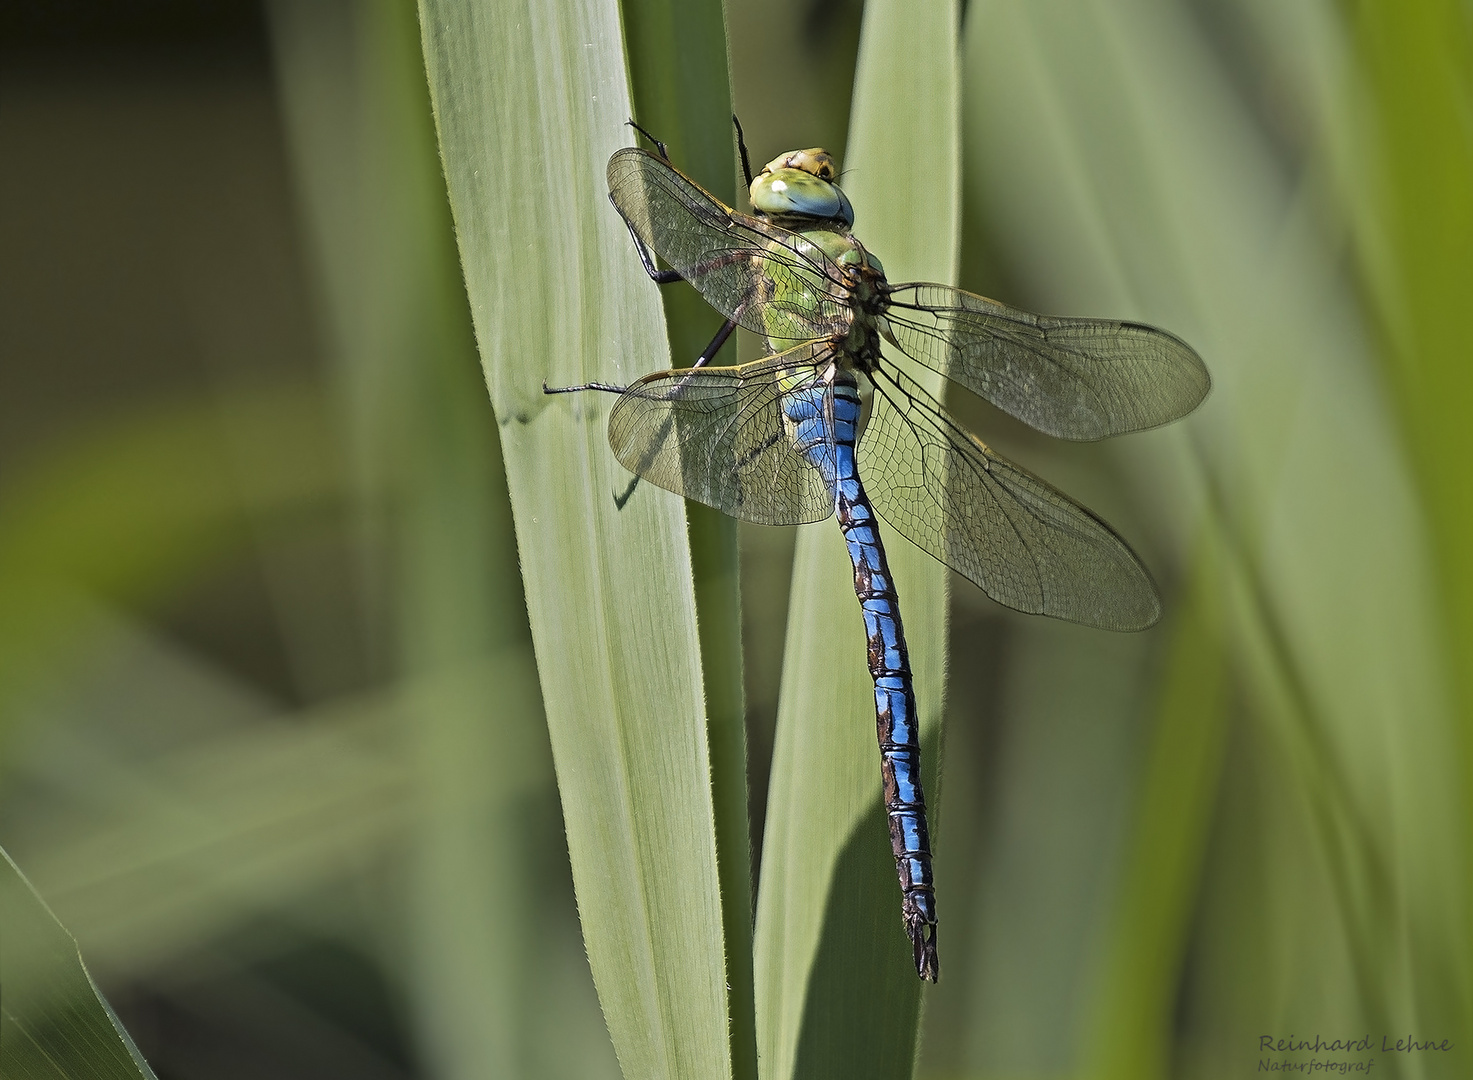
1071, 378
766, 278
717, 435
1024, 544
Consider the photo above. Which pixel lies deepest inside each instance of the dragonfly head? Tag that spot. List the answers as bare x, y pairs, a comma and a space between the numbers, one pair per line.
801, 184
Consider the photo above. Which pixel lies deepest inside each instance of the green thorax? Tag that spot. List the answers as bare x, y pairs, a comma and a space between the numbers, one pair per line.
797, 192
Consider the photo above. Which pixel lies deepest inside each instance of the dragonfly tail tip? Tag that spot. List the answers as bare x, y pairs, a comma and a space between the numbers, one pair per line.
923, 940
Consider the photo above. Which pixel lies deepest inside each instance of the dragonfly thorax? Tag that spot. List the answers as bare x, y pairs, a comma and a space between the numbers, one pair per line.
837, 259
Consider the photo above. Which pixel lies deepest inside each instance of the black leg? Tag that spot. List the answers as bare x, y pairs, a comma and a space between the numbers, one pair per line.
716, 342
658, 144
668, 277
607, 388
646, 256
742, 144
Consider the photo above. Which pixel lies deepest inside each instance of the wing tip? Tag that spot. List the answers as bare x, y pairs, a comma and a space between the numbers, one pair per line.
1135, 621
1141, 612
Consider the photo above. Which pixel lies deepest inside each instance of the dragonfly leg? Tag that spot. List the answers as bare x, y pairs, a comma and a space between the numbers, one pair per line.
607, 388
647, 257
669, 277
716, 342
742, 145
664, 153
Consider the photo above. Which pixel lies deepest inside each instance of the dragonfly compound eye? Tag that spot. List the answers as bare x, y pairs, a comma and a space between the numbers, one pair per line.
795, 191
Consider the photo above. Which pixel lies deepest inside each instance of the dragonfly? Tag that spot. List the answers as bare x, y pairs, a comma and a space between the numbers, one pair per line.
790, 438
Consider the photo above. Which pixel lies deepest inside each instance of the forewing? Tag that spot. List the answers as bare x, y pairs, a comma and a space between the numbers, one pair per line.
1071, 378
766, 278
716, 435
1026, 545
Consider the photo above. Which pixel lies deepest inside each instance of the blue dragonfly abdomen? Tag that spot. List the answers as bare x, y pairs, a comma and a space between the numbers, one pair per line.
823, 417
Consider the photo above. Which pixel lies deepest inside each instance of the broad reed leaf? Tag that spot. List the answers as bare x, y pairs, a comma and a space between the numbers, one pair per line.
530, 101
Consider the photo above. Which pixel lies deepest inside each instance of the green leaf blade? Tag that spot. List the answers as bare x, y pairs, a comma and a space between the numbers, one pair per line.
530, 102
54, 1025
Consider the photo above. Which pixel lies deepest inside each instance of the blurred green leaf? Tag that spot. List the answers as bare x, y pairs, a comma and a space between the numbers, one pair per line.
1130, 1034
1415, 230
837, 987
221, 815
1123, 174
54, 1025
139, 504
530, 102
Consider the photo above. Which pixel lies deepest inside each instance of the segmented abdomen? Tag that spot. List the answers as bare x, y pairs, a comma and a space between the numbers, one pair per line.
825, 425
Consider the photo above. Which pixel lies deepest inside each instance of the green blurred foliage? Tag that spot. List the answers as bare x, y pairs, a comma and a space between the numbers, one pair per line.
270, 725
